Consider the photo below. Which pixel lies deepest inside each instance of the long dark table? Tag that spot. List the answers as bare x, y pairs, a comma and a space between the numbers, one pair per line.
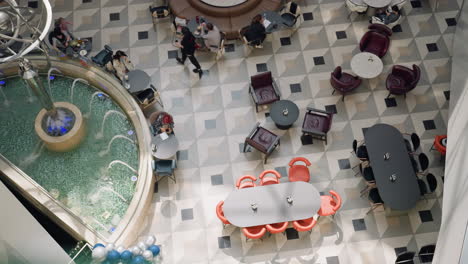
394, 177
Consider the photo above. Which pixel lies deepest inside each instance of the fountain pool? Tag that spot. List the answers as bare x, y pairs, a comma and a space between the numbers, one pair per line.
99, 191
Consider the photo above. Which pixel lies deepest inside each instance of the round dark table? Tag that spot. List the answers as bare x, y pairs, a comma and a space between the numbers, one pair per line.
284, 113
165, 148
138, 81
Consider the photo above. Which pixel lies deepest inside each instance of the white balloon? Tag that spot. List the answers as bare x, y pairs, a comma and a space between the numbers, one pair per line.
135, 250
147, 254
99, 254
120, 249
150, 241
142, 246
110, 247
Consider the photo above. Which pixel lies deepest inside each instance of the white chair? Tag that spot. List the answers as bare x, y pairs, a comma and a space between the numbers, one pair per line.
399, 3
356, 6
291, 14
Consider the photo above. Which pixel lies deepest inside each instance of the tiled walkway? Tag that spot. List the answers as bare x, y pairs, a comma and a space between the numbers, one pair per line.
213, 115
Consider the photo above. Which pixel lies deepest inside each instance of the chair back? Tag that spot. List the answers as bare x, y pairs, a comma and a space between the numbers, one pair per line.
416, 141
337, 199
426, 253
269, 180
422, 187
423, 161
367, 173
293, 8
261, 80
164, 167
382, 29
416, 75
246, 177
220, 213
405, 258
337, 72
374, 196
254, 232
355, 146
432, 181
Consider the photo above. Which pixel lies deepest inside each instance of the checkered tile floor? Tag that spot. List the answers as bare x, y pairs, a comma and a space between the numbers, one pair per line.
213, 115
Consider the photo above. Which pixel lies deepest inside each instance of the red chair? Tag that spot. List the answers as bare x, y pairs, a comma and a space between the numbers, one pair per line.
343, 82
305, 224
269, 180
299, 172
277, 228
438, 144
376, 40
263, 89
329, 204
220, 213
254, 232
247, 184
402, 79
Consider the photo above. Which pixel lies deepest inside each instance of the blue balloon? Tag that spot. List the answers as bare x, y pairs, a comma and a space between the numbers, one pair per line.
155, 249
113, 255
98, 245
138, 260
126, 255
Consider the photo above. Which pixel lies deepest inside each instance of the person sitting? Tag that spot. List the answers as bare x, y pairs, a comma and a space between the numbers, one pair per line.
255, 32
63, 25
163, 123
159, 9
58, 40
120, 65
211, 36
388, 16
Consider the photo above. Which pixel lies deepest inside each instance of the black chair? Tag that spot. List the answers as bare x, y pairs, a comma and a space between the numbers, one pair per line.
360, 152
291, 12
103, 57
415, 143
423, 162
368, 175
432, 182
375, 199
414, 163
426, 254
405, 258
422, 188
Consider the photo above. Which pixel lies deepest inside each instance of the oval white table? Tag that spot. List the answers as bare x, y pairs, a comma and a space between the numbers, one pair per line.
272, 204
366, 65
223, 3
377, 3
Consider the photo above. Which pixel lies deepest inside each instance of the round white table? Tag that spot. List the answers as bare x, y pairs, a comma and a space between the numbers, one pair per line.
223, 3
138, 81
366, 65
378, 3
165, 148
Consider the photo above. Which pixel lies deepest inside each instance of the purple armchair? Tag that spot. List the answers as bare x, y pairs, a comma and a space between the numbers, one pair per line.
263, 89
263, 140
402, 79
376, 40
317, 123
343, 82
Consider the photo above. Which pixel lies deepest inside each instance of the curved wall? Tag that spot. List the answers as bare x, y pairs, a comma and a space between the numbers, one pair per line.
128, 229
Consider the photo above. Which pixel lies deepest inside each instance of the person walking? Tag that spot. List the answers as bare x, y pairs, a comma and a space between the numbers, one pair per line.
187, 47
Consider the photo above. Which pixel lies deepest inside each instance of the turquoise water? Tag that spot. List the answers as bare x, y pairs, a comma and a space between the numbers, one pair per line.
79, 179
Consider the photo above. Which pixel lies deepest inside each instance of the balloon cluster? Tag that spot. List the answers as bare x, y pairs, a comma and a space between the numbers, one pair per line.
143, 253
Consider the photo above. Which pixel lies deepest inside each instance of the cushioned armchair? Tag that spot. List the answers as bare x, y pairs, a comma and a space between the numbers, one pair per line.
263, 89
402, 79
376, 40
263, 140
317, 123
164, 168
343, 82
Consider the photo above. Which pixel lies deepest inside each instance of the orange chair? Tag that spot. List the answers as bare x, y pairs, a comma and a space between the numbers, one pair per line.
220, 213
269, 180
438, 144
254, 232
305, 224
299, 172
246, 184
277, 228
329, 204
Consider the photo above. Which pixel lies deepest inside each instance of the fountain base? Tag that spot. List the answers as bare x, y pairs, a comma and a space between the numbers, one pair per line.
68, 141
